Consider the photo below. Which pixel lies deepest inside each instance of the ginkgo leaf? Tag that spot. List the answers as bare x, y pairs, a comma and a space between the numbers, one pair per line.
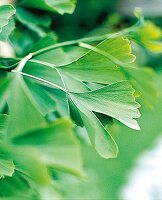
63, 6
94, 67
115, 100
97, 73
72, 84
6, 23
99, 136
115, 69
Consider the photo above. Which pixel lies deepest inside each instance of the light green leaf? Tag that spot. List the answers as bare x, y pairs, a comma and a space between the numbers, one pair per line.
107, 64
94, 67
6, 22
115, 100
76, 86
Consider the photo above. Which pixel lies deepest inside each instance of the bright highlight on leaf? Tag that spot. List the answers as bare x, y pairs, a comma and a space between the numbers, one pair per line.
6, 22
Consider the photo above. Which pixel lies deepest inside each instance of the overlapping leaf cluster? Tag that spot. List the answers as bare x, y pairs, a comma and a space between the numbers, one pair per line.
47, 94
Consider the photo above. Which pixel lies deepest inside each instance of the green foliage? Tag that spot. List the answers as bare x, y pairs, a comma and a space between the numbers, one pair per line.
49, 90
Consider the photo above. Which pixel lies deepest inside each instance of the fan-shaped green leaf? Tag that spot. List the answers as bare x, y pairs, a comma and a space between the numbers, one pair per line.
99, 136
115, 100
94, 67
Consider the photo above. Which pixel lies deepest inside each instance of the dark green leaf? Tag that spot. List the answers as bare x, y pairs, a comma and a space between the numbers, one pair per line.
64, 6
26, 17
